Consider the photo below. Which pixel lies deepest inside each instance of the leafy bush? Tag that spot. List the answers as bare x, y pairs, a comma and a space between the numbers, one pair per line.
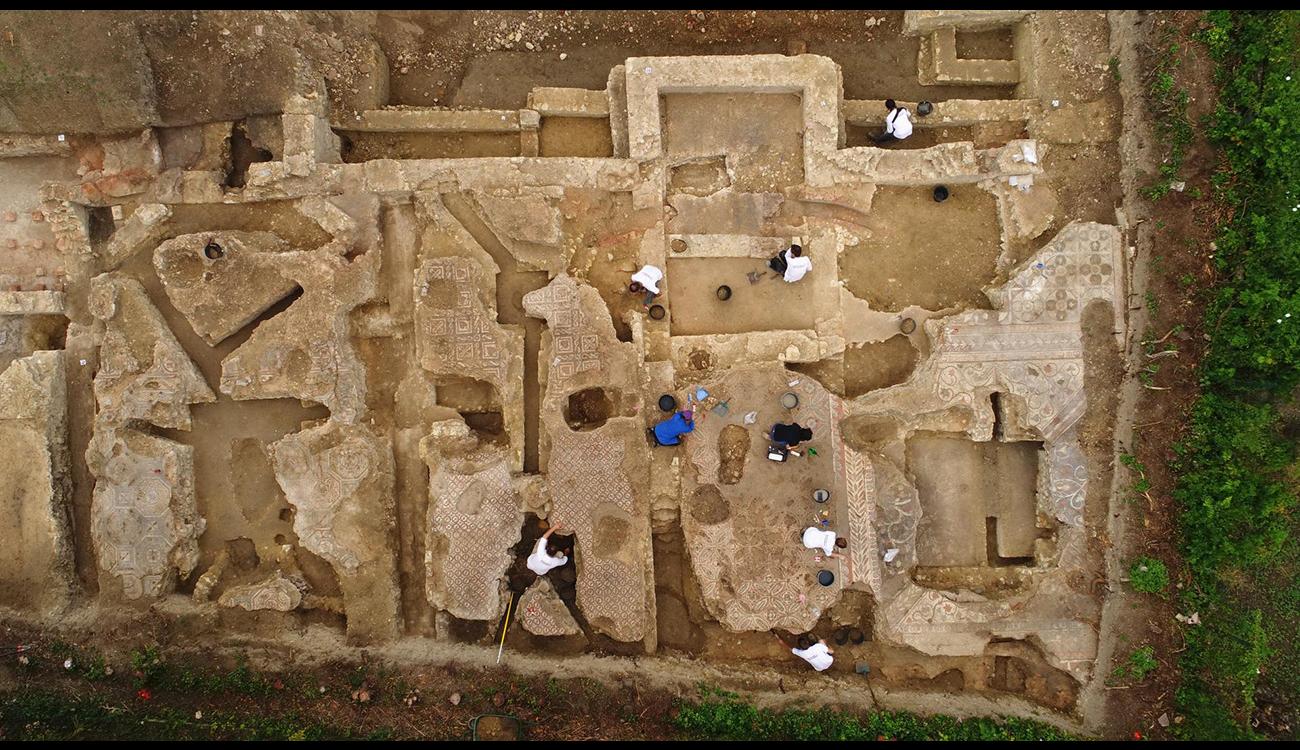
1232, 491
1148, 575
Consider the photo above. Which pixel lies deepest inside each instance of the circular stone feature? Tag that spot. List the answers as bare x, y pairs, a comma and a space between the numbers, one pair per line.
657, 312
678, 245
724, 293
667, 402
825, 577
789, 400
821, 496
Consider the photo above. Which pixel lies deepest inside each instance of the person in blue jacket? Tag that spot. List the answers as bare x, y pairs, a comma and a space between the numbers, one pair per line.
669, 431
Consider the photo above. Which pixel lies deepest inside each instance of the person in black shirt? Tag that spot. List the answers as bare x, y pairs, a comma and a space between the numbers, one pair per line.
790, 435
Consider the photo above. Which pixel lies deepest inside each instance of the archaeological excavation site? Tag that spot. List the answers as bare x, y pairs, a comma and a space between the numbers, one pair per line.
305, 345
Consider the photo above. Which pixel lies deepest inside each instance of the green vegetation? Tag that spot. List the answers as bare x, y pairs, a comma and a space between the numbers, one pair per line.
1140, 663
1168, 104
721, 715
1236, 486
47, 715
1148, 576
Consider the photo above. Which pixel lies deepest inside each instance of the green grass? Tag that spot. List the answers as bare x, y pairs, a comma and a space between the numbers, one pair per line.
1140, 663
1236, 488
720, 715
1168, 103
1148, 575
49, 715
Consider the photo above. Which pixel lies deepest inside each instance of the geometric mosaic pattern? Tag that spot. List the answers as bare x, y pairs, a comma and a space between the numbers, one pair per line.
144, 521
542, 612
462, 338
575, 342
339, 480
479, 520
1031, 348
752, 568
319, 485
586, 472
591, 489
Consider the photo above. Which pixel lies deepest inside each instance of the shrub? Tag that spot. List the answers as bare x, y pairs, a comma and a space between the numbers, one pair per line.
1235, 504
1148, 575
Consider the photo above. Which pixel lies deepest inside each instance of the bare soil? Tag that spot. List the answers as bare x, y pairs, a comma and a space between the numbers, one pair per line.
919, 252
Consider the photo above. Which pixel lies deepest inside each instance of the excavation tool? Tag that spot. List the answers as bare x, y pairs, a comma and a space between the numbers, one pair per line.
505, 626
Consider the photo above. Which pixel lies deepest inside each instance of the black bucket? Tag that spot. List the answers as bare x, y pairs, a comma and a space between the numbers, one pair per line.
924, 108
667, 402
825, 577
657, 312
724, 293
940, 193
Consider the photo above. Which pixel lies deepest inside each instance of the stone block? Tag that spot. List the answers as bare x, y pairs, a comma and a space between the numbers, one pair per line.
36, 564
339, 479
221, 281
565, 102
144, 519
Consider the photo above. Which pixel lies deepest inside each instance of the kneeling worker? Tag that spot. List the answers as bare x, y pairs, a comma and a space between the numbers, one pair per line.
670, 431
816, 653
546, 556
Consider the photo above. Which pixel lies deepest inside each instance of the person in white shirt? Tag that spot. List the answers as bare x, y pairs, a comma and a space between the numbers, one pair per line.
546, 556
898, 124
646, 280
791, 264
816, 653
815, 538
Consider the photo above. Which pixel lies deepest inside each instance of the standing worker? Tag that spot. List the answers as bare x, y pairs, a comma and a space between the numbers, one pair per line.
898, 124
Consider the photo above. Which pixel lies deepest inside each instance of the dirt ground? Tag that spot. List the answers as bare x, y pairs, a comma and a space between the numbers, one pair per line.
939, 256
919, 252
1174, 243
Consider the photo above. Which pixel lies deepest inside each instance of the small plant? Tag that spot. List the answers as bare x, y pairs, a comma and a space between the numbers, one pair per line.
1153, 303
1142, 662
1148, 575
147, 667
1113, 64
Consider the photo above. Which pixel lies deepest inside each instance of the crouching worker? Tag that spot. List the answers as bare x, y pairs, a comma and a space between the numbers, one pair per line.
790, 265
815, 538
790, 435
547, 555
816, 653
646, 281
670, 431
